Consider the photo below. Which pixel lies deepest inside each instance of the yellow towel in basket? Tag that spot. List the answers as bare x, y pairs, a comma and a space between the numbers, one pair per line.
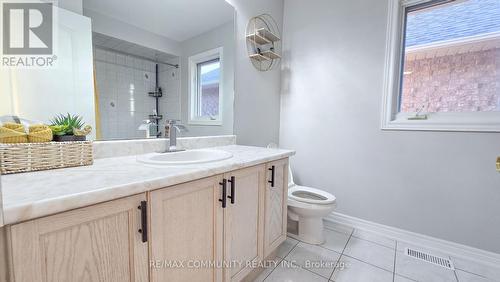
39, 133
13, 133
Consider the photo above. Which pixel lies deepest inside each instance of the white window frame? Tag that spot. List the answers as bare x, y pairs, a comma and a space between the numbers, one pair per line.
193, 62
394, 56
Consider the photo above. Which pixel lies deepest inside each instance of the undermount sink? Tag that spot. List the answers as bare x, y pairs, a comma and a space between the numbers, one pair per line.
185, 157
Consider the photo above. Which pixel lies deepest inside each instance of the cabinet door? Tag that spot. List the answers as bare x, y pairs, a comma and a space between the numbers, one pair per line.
186, 230
244, 222
4, 256
276, 205
96, 243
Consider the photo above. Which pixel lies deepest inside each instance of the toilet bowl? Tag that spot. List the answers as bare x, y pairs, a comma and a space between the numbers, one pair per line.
308, 206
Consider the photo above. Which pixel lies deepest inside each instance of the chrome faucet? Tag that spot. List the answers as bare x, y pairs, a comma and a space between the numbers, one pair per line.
171, 129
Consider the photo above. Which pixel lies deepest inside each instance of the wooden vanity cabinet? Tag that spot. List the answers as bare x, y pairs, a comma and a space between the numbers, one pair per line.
186, 228
4, 262
276, 196
244, 221
194, 223
182, 228
96, 243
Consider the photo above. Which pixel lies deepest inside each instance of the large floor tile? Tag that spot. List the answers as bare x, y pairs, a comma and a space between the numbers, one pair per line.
375, 238
269, 267
335, 241
293, 273
469, 277
422, 271
357, 271
286, 247
339, 227
398, 278
371, 253
474, 267
314, 258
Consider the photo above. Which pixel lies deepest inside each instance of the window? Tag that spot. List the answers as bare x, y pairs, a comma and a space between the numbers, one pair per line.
443, 66
206, 88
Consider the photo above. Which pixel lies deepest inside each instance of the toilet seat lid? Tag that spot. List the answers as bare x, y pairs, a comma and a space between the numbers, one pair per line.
310, 195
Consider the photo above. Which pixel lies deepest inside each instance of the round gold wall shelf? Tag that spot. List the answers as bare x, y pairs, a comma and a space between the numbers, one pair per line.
263, 42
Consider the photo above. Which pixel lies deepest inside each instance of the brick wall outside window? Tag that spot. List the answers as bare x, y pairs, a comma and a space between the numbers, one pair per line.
467, 82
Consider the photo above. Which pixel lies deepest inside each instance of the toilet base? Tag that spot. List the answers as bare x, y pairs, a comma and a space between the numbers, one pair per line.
310, 230
307, 207
308, 221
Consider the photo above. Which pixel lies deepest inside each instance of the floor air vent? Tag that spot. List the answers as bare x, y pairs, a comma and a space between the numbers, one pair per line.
443, 262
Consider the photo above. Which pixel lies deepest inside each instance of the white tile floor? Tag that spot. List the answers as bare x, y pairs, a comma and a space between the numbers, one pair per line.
359, 256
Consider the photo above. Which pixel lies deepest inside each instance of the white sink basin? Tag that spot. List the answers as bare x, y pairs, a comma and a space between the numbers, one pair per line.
185, 157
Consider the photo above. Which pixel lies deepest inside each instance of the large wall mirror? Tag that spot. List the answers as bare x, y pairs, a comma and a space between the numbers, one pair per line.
127, 67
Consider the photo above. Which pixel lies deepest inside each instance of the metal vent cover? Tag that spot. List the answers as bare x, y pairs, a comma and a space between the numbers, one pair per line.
443, 262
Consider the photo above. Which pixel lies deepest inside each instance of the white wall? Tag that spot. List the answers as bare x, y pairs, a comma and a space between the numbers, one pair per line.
436, 183
75, 6
257, 100
222, 36
7, 105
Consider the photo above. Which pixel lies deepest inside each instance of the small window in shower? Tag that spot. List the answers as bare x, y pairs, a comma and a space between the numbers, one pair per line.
206, 88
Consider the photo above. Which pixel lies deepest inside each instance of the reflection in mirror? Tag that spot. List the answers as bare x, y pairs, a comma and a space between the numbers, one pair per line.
137, 89
132, 67
141, 84
38, 94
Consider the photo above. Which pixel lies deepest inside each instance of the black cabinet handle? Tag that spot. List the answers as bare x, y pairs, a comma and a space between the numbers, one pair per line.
144, 221
224, 193
272, 169
233, 184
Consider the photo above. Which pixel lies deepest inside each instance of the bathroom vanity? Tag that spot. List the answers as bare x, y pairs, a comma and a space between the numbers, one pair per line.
132, 216
121, 220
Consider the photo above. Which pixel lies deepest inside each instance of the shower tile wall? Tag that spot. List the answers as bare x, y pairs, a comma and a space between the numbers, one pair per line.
123, 83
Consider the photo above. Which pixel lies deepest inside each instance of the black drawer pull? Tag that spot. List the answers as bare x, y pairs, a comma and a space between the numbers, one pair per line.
144, 221
233, 184
224, 193
272, 169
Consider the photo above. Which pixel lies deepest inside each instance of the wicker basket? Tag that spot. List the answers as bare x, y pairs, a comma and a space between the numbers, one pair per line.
16, 158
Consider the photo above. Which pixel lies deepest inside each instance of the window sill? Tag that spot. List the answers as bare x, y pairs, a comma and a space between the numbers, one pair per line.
205, 122
458, 122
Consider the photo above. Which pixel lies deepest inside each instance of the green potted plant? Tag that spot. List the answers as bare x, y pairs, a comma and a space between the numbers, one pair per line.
69, 127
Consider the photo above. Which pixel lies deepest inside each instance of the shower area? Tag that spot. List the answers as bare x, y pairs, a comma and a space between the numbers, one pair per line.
137, 89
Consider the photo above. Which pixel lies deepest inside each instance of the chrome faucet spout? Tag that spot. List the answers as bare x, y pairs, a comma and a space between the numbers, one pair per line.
171, 130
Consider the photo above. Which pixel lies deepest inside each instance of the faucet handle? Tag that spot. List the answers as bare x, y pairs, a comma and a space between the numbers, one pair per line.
173, 121
181, 127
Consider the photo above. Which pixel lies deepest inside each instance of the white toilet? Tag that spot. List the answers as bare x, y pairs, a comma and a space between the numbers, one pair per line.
307, 206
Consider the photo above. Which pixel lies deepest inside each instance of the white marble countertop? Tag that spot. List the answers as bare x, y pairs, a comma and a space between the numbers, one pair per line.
36, 194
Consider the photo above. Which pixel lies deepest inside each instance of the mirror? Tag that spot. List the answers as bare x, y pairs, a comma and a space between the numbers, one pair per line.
127, 67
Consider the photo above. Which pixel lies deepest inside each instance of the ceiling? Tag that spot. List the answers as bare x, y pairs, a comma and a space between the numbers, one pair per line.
117, 45
175, 19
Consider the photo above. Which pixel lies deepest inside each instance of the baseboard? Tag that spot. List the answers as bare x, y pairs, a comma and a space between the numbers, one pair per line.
454, 249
